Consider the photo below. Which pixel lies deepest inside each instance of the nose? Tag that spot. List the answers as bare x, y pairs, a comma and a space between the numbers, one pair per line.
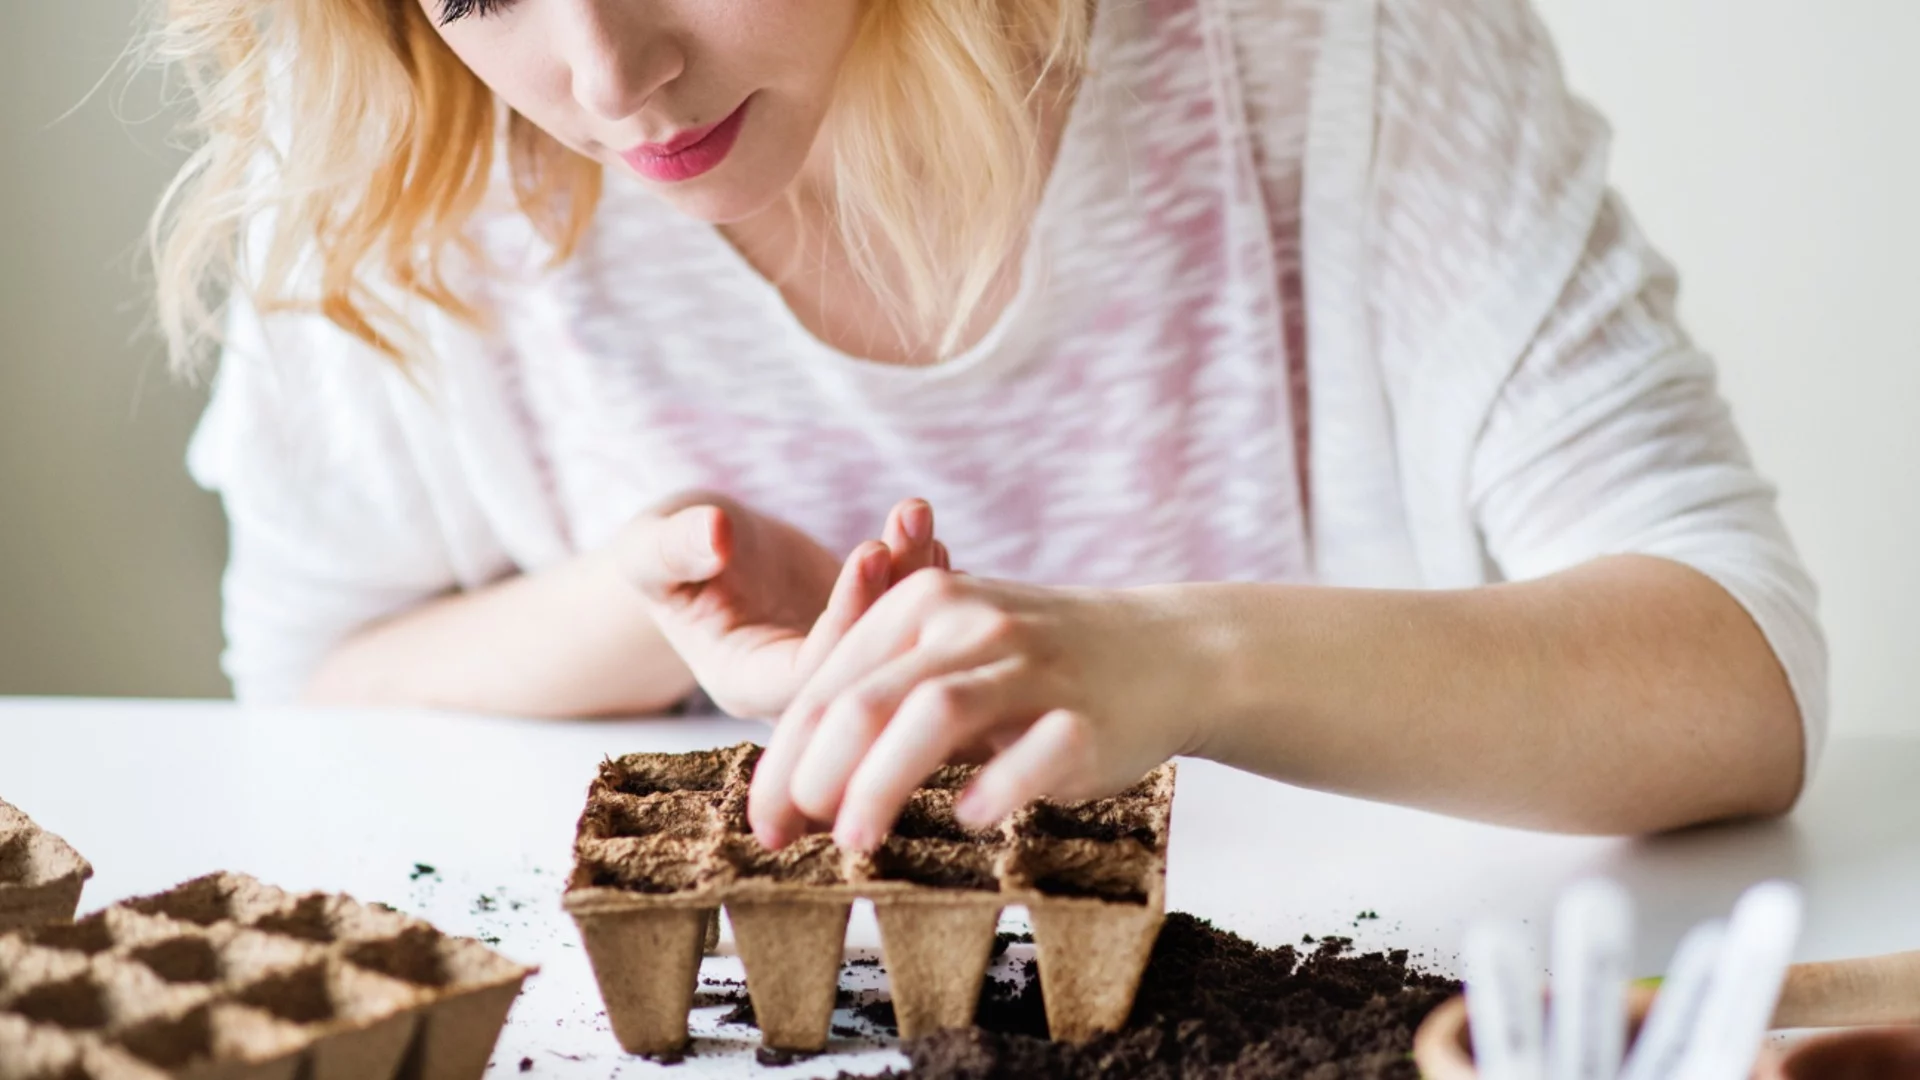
616, 65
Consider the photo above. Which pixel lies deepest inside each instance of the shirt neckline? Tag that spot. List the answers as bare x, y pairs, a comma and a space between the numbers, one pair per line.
1001, 343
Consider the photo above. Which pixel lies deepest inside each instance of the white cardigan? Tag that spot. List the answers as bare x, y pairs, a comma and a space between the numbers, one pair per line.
1499, 387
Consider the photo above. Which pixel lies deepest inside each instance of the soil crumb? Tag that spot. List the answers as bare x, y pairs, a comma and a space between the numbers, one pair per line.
1212, 1004
1005, 938
880, 1014
741, 1013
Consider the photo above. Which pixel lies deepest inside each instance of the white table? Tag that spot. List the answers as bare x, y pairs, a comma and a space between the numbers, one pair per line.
153, 793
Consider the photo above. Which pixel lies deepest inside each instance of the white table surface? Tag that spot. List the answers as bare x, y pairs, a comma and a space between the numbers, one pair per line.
154, 793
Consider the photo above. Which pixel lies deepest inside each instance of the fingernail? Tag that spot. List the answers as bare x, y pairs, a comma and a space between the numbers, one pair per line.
918, 521
874, 568
697, 545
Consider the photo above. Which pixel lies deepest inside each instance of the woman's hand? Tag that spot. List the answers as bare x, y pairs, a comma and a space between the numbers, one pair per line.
1069, 694
752, 604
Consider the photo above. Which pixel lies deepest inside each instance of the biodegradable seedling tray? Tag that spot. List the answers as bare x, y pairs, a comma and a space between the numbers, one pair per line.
40, 874
224, 978
664, 843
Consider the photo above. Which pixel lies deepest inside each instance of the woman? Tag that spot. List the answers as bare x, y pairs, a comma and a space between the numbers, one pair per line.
1286, 378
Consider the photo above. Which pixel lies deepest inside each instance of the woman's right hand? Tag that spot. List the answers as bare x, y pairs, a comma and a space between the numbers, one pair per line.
753, 604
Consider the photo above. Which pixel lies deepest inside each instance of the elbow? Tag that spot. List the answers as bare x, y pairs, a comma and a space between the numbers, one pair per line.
1760, 696
360, 672
341, 682
1773, 744
1741, 766
1780, 779
1765, 783
279, 684
1760, 798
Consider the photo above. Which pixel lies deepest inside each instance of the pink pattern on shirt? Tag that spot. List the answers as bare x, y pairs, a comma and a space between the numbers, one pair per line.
1136, 416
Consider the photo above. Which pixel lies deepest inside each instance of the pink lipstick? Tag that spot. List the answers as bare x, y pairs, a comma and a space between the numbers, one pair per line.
691, 153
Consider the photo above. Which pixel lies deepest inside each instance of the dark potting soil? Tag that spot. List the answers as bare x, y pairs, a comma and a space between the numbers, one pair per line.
741, 1013
1211, 1004
1005, 938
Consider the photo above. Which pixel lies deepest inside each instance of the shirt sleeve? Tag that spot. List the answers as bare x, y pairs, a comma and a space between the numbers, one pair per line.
1610, 437
1523, 318
331, 524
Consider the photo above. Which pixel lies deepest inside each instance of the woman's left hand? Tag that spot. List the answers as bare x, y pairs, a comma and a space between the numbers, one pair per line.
1067, 693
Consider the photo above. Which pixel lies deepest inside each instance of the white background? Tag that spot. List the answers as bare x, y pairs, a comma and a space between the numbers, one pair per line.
1772, 147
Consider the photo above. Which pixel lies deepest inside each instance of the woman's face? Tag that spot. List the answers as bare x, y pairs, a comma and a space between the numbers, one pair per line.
714, 104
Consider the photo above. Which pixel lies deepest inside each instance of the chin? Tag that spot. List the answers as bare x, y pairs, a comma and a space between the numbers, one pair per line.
720, 203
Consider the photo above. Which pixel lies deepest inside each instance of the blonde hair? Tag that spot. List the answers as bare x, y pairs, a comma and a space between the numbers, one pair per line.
363, 190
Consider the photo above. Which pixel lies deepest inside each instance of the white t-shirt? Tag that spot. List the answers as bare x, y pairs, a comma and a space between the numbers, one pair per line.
1320, 290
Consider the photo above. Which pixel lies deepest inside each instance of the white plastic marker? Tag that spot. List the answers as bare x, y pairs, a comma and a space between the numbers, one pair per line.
1745, 985
1587, 1019
1656, 1054
1504, 989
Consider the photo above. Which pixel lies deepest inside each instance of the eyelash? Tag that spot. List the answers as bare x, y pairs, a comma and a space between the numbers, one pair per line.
454, 10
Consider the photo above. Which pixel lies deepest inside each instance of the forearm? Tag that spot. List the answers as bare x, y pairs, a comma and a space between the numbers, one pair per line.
1626, 696
572, 640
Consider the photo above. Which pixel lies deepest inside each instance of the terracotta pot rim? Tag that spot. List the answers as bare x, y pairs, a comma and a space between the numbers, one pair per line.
1440, 1047
1805, 1052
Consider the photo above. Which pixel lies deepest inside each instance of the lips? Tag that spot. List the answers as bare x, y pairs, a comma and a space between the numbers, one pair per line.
679, 142
691, 153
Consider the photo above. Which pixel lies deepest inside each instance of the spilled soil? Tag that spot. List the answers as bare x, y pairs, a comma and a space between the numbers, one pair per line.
1211, 1004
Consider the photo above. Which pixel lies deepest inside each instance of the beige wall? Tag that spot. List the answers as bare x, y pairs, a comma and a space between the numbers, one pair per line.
109, 558
1771, 146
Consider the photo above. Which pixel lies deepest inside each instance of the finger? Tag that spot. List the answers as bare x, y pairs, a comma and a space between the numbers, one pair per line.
889, 629
863, 580
1047, 761
909, 534
771, 813
685, 548
853, 720
938, 718
940, 557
